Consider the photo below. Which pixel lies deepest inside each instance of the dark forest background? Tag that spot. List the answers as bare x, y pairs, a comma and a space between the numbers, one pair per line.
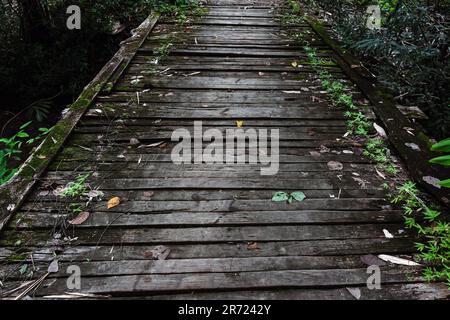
45, 66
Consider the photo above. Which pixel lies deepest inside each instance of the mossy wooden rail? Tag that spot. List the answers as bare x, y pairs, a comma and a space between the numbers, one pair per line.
397, 124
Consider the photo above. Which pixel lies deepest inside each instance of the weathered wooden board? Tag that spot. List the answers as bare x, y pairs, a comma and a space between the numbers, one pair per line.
197, 231
79, 253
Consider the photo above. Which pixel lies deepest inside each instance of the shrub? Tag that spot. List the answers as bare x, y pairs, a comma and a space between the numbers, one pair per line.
410, 54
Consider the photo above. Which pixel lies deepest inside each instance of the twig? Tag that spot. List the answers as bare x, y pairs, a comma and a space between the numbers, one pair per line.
33, 286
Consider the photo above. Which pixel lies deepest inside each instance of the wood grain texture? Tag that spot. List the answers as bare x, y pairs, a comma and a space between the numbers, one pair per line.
198, 231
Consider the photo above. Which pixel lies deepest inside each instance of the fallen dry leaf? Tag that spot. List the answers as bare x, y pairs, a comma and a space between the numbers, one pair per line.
355, 292
252, 246
335, 166
413, 146
113, 202
159, 253
157, 144
53, 267
397, 260
323, 149
292, 92
80, 218
357, 151
134, 141
371, 260
387, 234
432, 180
380, 174
148, 194
240, 123
381, 132
360, 182
316, 99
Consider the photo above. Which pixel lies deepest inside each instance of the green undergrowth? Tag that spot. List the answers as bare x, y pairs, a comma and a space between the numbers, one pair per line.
427, 221
358, 125
12, 148
433, 230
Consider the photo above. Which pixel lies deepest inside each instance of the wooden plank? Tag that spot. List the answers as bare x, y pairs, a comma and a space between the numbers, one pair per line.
114, 236
244, 280
406, 291
79, 253
45, 194
25, 220
227, 51
180, 266
220, 205
259, 182
181, 173
211, 112
216, 96
159, 157
254, 123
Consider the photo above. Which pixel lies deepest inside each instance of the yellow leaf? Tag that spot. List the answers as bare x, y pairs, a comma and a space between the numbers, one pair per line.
240, 123
113, 202
294, 64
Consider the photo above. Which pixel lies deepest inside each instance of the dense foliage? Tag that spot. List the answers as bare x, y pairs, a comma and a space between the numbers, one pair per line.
44, 64
409, 54
427, 220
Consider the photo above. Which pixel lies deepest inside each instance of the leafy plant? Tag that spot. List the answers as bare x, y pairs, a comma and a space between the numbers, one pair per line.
442, 146
409, 54
12, 148
283, 196
434, 232
78, 187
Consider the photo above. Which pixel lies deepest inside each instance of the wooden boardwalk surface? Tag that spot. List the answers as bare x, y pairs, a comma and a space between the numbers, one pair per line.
211, 231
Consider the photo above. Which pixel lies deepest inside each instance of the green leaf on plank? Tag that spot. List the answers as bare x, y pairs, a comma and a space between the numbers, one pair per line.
298, 195
280, 197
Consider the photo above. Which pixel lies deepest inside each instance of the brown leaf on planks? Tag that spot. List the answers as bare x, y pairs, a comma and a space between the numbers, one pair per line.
371, 260
148, 194
113, 202
159, 253
82, 217
252, 246
335, 166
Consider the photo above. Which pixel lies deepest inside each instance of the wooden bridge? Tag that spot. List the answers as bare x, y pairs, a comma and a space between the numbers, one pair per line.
198, 231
